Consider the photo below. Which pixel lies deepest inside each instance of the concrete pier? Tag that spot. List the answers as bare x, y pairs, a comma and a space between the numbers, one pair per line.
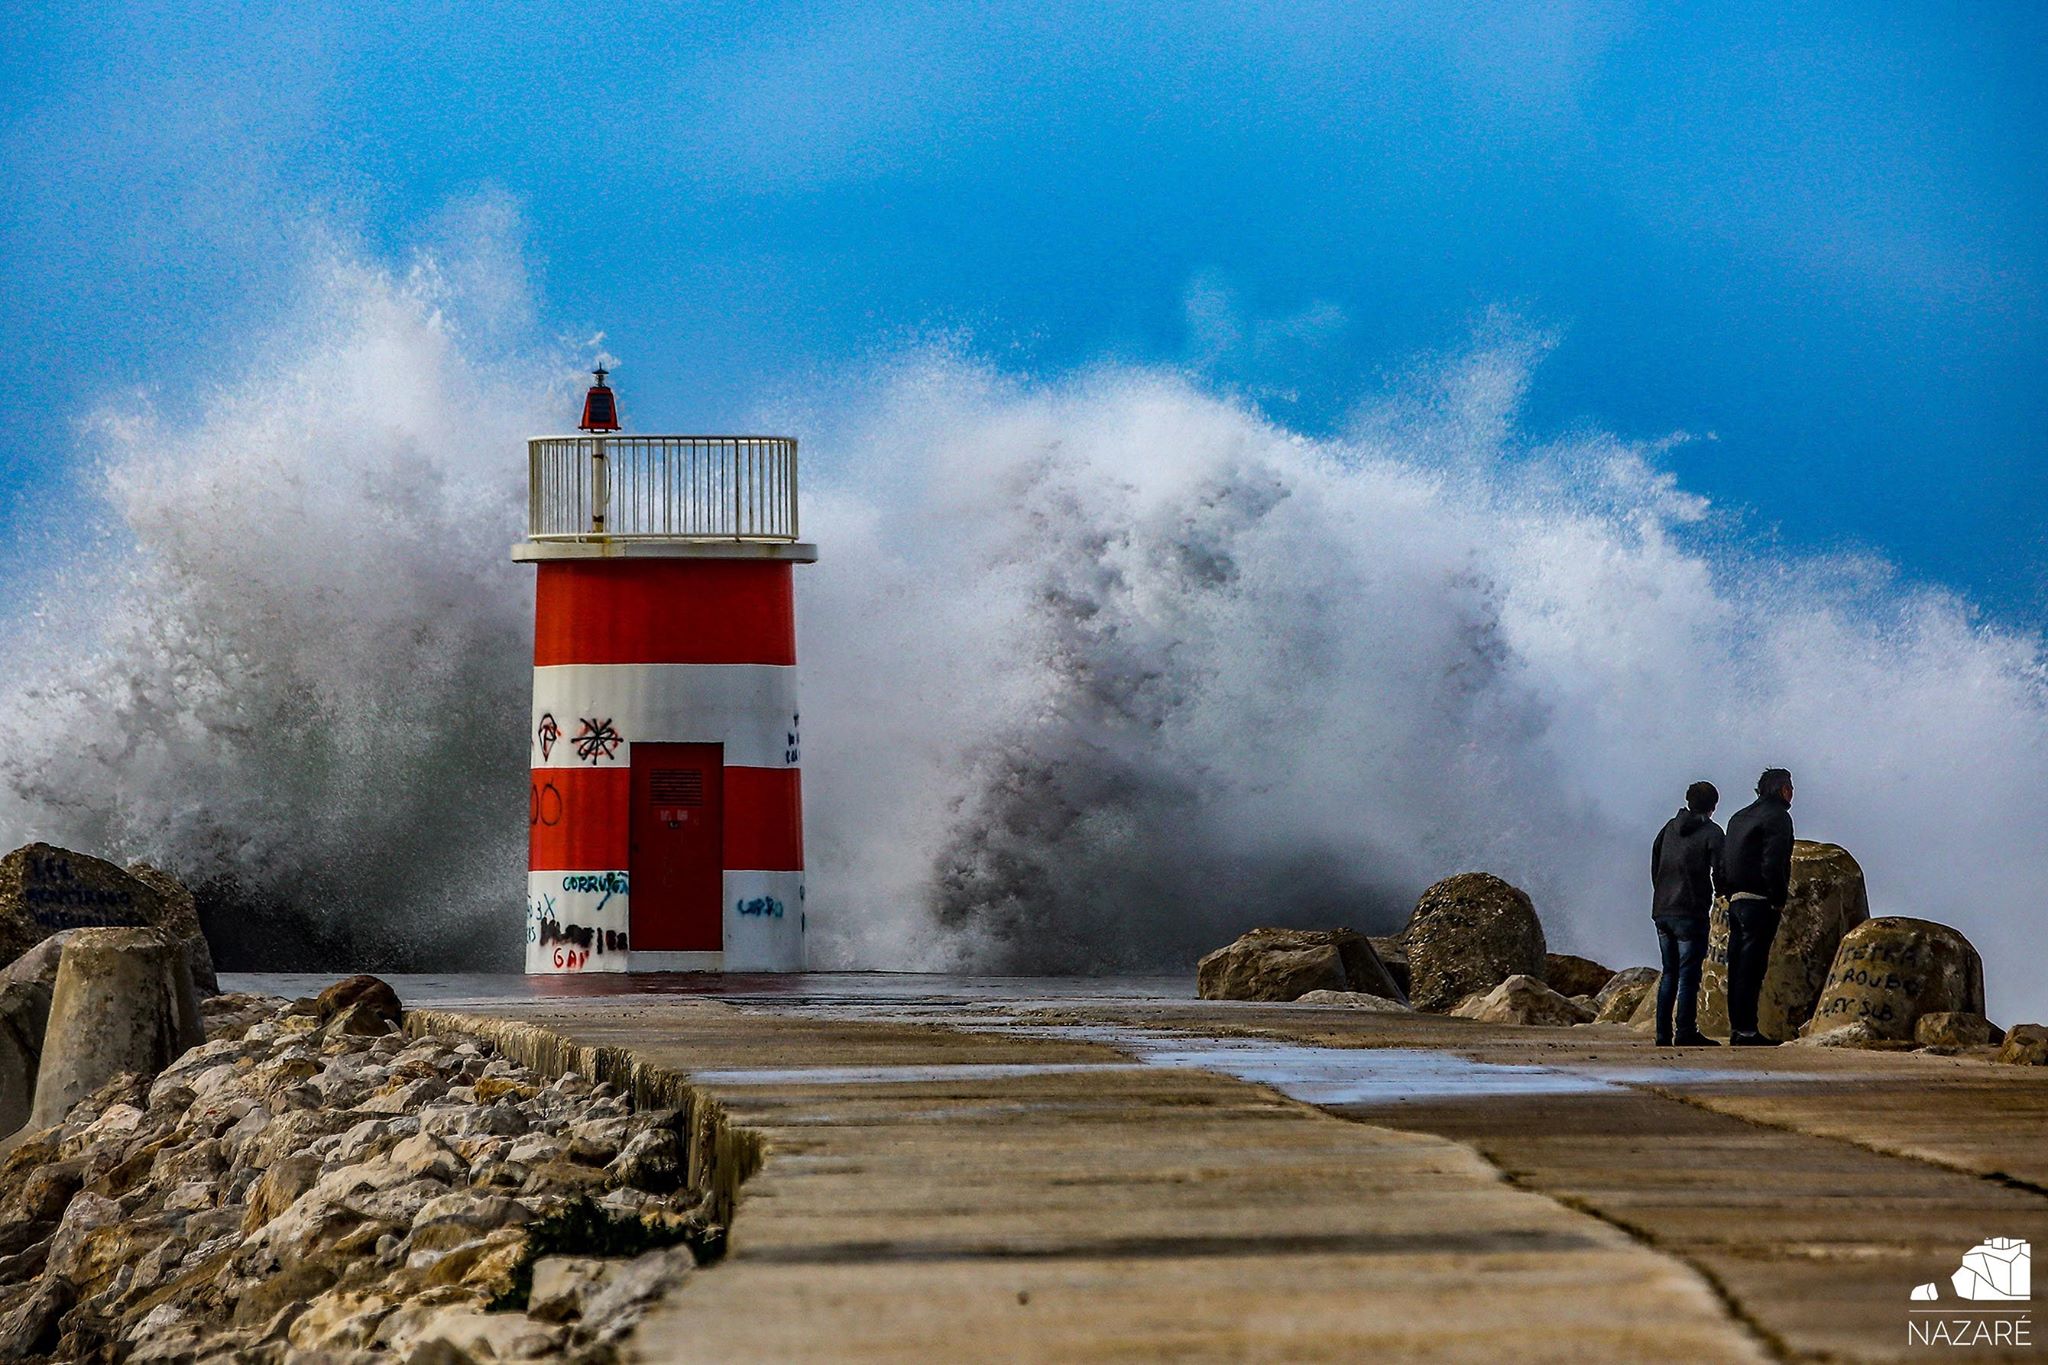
1003, 1175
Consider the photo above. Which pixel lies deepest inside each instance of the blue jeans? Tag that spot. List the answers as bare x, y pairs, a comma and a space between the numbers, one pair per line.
1683, 948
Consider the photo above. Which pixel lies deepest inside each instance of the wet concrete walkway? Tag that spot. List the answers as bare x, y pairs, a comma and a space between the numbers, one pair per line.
1033, 1178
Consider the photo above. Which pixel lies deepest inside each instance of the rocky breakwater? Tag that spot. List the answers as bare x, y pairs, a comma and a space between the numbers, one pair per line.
311, 1183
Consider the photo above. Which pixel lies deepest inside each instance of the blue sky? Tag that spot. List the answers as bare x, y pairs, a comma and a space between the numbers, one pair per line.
1819, 232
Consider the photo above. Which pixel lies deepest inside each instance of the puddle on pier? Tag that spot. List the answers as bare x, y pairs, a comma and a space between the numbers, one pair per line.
1323, 1076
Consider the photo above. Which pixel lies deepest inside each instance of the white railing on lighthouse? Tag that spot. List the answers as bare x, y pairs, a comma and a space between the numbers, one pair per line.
662, 488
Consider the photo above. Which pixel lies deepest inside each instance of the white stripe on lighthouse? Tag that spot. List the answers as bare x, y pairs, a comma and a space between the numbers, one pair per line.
589, 715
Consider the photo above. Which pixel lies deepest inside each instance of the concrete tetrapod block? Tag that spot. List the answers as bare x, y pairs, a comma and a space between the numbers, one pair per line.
1827, 900
123, 1002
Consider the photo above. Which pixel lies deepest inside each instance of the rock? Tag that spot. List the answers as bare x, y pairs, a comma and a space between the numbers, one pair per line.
563, 1284
2025, 1045
475, 1335
341, 1319
610, 1312
45, 890
651, 1160
1826, 901
180, 919
1945, 1028
361, 1019
86, 1215
454, 1219
1469, 933
1624, 993
1284, 964
30, 1327
1357, 1000
424, 1156
597, 1140
1522, 999
1394, 957
279, 1187
1568, 974
1889, 972
360, 990
123, 1003
497, 1087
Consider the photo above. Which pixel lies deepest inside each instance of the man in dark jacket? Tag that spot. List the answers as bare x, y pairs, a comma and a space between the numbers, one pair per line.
1756, 875
1683, 865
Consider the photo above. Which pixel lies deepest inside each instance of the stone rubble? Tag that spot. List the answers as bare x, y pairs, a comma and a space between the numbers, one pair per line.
310, 1185
1355, 1000
1522, 999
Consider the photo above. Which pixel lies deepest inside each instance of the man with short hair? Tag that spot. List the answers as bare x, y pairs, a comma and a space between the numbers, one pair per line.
1756, 876
1684, 862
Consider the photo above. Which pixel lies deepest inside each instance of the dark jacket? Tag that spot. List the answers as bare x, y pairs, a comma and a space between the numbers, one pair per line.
1684, 863
1758, 855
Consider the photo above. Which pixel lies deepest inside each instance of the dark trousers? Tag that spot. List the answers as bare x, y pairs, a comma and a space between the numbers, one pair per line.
1751, 927
1683, 947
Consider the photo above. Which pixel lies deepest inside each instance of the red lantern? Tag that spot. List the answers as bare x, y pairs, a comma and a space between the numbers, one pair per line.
600, 409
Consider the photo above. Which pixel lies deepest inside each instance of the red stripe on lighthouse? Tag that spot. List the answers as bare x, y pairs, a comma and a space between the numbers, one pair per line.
664, 611
764, 820
579, 819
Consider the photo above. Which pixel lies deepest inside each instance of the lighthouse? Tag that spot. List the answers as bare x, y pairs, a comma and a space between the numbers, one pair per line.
666, 813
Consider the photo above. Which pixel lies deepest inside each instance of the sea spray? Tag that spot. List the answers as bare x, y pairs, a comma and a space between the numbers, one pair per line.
292, 665
1110, 668
1098, 670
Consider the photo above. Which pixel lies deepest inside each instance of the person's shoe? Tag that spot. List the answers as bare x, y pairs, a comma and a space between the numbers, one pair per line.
1663, 1042
1697, 1040
1751, 1040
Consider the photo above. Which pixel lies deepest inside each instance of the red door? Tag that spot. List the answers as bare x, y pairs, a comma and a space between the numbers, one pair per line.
677, 860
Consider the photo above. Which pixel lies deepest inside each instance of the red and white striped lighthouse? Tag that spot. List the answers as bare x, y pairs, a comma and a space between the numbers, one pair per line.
666, 810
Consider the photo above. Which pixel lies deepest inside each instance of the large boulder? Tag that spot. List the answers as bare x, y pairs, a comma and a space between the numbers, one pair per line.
45, 890
1827, 899
1570, 974
1625, 990
1891, 971
1286, 964
123, 1003
1523, 1000
1468, 934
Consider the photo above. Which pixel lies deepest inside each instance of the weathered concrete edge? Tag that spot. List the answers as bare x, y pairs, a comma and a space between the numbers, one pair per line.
1729, 1106
719, 1154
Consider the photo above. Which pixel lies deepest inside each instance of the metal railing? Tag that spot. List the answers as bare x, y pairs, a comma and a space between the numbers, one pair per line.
661, 488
